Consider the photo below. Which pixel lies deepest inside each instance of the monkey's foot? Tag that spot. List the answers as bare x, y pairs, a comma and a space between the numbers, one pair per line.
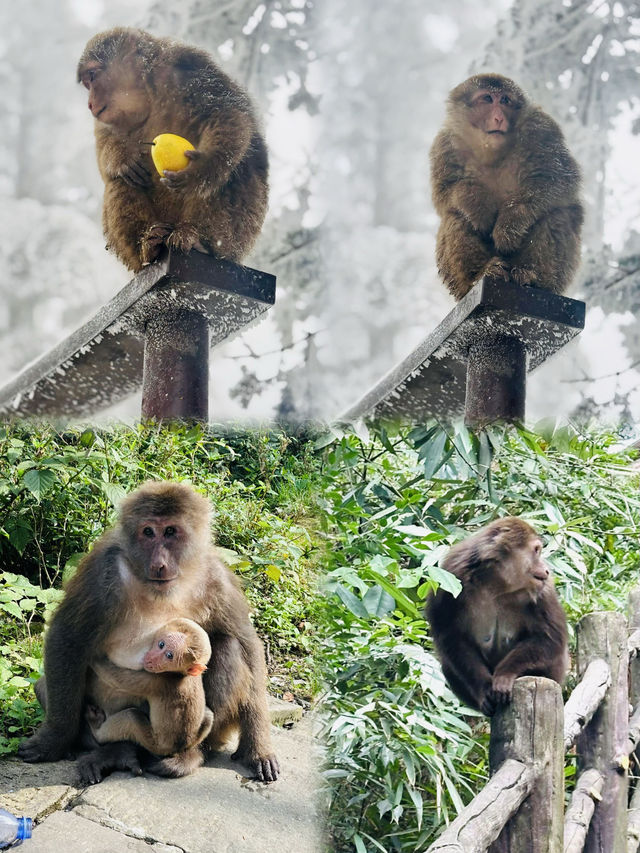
497, 268
152, 241
183, 238
265, 768
94, 715
45, 745
93, 766
523, 276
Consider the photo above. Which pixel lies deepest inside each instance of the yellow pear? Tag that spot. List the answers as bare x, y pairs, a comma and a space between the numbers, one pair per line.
167, 152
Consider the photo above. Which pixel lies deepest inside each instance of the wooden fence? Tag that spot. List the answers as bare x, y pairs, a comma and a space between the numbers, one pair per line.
521, 809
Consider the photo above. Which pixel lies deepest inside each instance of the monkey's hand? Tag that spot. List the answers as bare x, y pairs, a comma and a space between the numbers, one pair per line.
265, 767
476, 205
499, 694
47, 744
514, 221
135, 173
185, 177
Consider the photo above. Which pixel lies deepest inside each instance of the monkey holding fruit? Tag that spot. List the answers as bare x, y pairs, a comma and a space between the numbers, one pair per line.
507, 620
142, 88
170, 681
507, 191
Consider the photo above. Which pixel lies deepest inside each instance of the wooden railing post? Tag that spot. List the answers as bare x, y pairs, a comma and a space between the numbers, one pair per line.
633, 829
634, 661
603, 742
530, 730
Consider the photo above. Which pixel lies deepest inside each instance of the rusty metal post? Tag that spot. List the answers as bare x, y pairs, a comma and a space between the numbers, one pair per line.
496, 381
175, 379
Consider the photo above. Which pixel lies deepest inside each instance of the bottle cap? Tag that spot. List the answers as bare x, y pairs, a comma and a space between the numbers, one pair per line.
24, 828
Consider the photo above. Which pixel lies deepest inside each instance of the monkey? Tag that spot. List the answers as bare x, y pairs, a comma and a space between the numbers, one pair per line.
157, 563
141, 86
507, 191
178, 717
506, 622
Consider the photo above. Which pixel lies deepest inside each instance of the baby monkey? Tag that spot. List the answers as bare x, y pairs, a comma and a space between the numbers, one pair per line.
170, 683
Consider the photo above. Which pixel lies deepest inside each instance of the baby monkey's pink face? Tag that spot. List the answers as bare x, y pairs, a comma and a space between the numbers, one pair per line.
170, 652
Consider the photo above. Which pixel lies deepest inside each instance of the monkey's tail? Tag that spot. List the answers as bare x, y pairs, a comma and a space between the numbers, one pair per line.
174, 766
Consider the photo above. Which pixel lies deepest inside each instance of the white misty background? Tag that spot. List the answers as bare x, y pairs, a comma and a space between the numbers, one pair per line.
351, 94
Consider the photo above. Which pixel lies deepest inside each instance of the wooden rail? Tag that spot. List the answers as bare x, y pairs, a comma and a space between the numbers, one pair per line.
520, 810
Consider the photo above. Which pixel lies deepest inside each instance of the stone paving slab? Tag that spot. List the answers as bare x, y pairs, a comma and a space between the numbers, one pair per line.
216, 810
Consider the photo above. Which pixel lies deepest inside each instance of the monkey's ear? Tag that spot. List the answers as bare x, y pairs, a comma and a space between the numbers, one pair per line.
196, 669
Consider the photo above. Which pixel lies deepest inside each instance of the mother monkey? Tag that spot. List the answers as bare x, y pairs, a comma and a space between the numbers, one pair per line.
156, 564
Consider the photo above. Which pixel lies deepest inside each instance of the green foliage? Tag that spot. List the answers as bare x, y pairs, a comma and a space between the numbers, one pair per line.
59, 490
23, 610
404, 754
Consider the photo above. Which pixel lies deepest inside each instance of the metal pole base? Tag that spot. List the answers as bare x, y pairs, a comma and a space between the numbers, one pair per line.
496, 381
175, 380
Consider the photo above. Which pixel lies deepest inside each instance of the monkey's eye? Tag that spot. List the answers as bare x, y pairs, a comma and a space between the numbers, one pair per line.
505, 99
89, 76
537, 549
488, 99
147, 531
161, 644
169, 655
169, 531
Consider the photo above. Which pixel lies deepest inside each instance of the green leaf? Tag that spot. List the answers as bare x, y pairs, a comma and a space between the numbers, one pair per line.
434, 455
403, 601
114, 492
39, 481
12, 608
20, 533
445, 580
359, 844
71, 566
351, 602
377, 602
228, 556
87, 438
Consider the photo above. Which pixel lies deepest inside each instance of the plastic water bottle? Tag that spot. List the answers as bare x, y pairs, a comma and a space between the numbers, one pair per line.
13, 830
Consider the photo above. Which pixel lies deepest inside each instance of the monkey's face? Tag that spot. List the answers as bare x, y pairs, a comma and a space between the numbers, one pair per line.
524, 570
167, 654
157, 551
116, 95
492, 113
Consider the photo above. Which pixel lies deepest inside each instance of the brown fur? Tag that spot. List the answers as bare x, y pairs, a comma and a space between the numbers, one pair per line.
178, 718
155, 565
506, 622
507, 191
157, 85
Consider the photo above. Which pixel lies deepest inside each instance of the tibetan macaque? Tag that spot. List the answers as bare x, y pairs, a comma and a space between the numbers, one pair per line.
507, 191
155, 565
178, 717
141, 86
507, 620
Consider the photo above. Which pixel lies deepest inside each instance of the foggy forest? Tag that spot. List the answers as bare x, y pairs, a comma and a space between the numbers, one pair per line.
351, 95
